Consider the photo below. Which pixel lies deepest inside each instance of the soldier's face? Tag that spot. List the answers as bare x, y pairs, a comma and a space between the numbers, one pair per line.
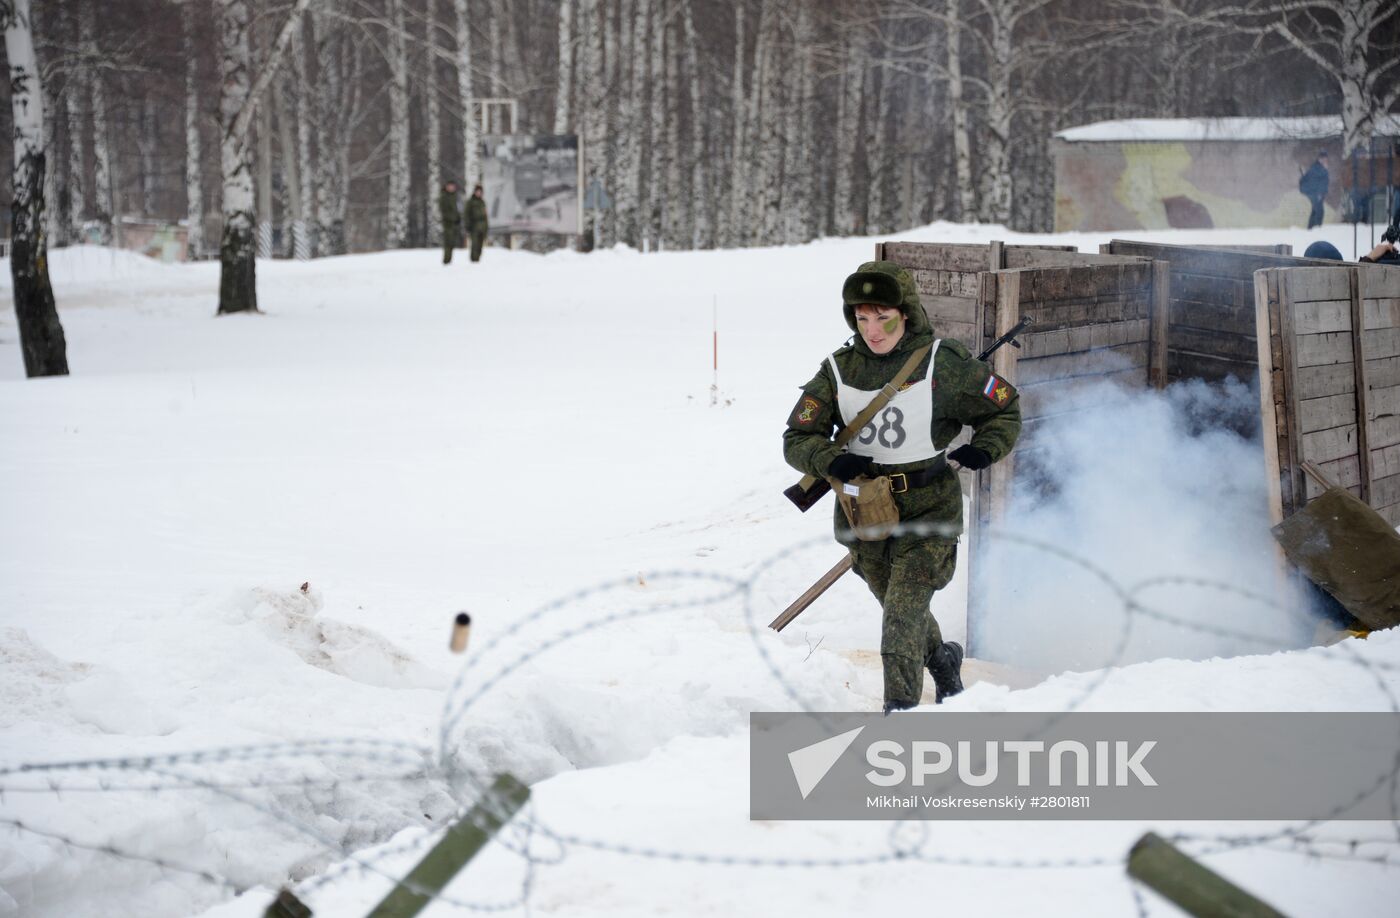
880, 327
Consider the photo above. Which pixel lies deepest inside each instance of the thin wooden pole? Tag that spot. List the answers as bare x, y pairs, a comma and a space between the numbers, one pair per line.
800, 604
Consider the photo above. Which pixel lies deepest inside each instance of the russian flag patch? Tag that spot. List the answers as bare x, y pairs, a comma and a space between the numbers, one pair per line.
997, 390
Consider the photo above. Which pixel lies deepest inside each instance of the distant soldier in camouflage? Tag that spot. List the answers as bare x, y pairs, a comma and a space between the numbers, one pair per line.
451, 221
906, 441
476, 221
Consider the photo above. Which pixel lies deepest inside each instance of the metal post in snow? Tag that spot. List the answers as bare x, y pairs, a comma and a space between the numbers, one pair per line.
462, 841
714, 347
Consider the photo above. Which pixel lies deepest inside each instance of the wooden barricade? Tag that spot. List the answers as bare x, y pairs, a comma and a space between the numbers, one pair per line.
1210, 326
1329, 355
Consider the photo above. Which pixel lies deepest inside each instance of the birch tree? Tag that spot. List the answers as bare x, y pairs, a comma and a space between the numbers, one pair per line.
700, 193
470, 171
41, 335
564, 90
102, 179
432, 113
238, 103
1356, 42
194, 169
398, 127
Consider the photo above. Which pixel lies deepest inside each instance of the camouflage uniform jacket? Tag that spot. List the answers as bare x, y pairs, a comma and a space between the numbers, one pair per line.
960, 383
447, 208
476, 216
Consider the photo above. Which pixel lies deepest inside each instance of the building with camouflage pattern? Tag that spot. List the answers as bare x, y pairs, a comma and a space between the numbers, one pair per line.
1192, 173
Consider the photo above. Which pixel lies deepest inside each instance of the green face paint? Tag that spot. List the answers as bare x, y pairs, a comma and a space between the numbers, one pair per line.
891, 325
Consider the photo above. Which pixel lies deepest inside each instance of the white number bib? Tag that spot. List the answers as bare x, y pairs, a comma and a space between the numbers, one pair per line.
902, 431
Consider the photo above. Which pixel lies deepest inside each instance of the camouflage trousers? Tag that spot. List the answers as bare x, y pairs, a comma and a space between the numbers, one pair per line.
904, 574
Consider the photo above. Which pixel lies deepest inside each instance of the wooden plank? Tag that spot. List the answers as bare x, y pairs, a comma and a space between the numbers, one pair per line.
1383, 431
1346, 472
1380, 282
937, 256
1233, 262
1322, 317
1382, 313
1363, 416
996, 255
946, 283
1329, 411
1385, 491
949, 308
1385, 460
1217, 291
1382, 343
1086, 363
1232, 347
1270, 420
1309, 284
1005, 364
1321, 381
1158, 327
1018, 256
1324, 349
1188, 365
1326, 445
1384, 372
1287, 343
1215, 317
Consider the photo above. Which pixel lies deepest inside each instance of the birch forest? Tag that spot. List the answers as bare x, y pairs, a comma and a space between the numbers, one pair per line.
317, 127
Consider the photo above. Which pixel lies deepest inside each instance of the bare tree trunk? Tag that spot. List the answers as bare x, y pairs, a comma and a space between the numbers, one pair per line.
700, 196
291, 173
264, 164
566, 67
53, 217
194, 167
101, 146
238, 290
962, 143
307, 238
658, 152
470, 170
675, 228
433, 116
41, 336
738, 170
397, 234
78, 95
996, 154
847, 136
630, 133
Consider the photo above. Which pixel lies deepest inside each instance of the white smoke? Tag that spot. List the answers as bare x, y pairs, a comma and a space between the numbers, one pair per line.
1140, 485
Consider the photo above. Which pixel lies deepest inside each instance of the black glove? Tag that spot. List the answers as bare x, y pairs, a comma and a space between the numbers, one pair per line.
848, 465
971, 457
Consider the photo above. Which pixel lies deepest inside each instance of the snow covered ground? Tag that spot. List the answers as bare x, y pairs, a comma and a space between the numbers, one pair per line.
251, 530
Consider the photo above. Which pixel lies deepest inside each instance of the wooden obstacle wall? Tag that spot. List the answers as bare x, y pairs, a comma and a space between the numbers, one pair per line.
1210, 325
1329, 355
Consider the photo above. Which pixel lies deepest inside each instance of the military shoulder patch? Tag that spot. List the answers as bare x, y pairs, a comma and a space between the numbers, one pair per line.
997, 390
806, 412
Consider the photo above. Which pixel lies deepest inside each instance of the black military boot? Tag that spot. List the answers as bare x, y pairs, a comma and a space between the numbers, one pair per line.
899, 706
945, 665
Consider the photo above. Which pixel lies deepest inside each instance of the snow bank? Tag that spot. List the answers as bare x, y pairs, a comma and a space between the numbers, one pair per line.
410, 440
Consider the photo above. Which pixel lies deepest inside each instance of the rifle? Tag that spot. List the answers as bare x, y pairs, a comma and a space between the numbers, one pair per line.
805, 494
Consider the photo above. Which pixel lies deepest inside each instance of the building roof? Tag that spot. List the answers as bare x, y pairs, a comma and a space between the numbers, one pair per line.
1147, 129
